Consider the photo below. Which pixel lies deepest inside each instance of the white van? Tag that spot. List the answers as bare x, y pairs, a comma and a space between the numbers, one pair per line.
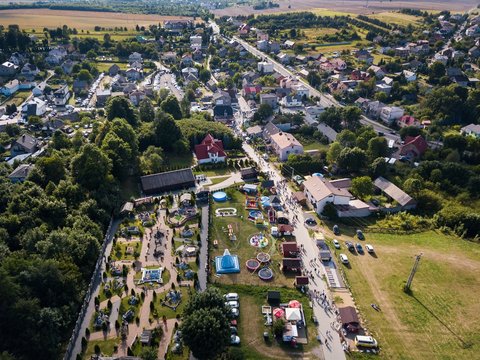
365, 341
344, 259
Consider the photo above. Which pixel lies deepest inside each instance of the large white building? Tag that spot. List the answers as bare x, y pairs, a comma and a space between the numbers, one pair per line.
265, 67
285, 144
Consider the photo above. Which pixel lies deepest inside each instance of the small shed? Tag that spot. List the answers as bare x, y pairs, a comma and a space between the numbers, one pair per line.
273, 297
291, 264
349, 318
127, 208
290, 249
301, 281
249, 174
250, 189
300, 197
146, 337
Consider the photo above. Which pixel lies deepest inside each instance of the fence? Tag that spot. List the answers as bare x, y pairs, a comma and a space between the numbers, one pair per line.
97, 273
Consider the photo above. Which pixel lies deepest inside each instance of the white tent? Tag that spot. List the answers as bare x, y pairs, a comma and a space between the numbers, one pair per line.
293, 314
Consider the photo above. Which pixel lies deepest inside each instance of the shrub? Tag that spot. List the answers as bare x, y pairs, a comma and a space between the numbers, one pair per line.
97, 349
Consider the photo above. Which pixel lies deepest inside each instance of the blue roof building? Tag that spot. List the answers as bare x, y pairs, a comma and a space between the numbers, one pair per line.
227, 263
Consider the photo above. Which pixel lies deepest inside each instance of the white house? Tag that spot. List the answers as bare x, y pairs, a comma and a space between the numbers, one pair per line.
35, 106
61, 95
390, 114
300, 89
265, 67
195, 41
471, 130
8, 69
291, 101
319, 191
210, 150
409, 75
285, 144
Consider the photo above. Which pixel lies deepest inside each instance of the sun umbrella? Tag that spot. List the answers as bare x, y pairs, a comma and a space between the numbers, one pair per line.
294, 304
278, 313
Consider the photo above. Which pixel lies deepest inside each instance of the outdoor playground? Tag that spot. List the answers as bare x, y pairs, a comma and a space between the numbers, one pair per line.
246, 235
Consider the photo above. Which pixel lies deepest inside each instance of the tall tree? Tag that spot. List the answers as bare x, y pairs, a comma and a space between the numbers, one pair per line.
171, 106
120, 107
146, 110
166, 130
352, 159
91, 167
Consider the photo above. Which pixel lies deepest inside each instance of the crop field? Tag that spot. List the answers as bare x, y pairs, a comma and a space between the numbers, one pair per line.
40, 18
439, 319
332, 8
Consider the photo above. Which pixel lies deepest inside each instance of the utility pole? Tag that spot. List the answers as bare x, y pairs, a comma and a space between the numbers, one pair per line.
412, 273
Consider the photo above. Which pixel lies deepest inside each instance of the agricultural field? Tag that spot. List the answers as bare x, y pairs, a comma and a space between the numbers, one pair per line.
397, 18
439, 319
40, 18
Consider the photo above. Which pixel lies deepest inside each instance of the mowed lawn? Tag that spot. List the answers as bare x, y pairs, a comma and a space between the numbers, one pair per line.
440, 320
243, 229
40, 18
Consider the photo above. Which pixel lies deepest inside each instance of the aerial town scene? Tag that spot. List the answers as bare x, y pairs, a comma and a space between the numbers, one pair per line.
239, 180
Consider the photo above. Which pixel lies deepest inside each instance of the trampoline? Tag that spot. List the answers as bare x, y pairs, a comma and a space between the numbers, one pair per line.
220, 196
263, 257
317, 174
265, 274
252, 264
255, 214
258, 240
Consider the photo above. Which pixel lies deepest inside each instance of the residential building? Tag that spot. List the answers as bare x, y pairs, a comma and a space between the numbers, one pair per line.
25, 144
61, 95
390, 114
102, 97
34, 107
10, 88
407, 120
177, 25
29, 71
20, 173
414, 147
223, 114
250, 91
471, 130
195, 41
265, 67
67, 66
339, 64
136, 96
409, 75
270, 99
133, 74
39, 89
377, 71
285, 144
269, 130
290, 101
284, 58
210, 150
113, 70
189, 71
320, 191
8, 69
364, 56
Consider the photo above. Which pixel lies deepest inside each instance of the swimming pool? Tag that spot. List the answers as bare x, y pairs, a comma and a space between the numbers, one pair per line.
220, 196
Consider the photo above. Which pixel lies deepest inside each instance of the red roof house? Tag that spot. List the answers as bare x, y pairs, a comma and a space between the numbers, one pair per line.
414, 147
407, 120
290, 249
210, 150
249, 91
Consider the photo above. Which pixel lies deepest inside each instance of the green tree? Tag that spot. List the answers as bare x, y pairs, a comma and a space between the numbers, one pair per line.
346, 138
151, 160
263, 113
333, 152
171, 106
204, 75
149, 353
352, 159
60, 140
413, 186
51, 168
435, 72
146, 110
362, 187
351, 116
205, 327
166, 131
377, 147
91, 167
120, 107
378, 167
84, 75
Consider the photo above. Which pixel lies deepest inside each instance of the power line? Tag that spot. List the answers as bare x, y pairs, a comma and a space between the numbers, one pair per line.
412, 273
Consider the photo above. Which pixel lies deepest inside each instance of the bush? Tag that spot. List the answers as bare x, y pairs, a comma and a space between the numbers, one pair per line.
97, 349
404, 221
84, 343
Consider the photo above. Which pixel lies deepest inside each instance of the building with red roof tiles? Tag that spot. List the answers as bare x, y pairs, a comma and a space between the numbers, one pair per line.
210, 150
408, 120
414, 147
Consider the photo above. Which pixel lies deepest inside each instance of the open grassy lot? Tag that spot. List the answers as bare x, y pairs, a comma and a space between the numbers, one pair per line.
251, 324
106, 347
166, 311
40, 18
440, 318
243, 229
104, 66
397, 18
178, 161
18, 98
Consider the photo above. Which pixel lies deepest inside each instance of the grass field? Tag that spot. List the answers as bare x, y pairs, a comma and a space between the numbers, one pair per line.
243, 229
106, 347
18, 98
440, 319
87, 20
251, 324
397, 18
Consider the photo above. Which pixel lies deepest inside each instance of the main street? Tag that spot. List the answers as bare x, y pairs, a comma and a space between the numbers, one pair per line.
334, 350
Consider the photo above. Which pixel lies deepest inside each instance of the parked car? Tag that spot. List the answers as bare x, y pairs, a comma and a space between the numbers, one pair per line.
234, 340
235, 312
232, 304
310, 222
344, 259
336, 243
231, 297
336, 230
375, 202
360, 235
369, 248
359, 248
233, 330
349, 246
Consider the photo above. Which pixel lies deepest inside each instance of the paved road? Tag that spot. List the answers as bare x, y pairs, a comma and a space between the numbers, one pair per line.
95, 290
202, 275
334, 351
